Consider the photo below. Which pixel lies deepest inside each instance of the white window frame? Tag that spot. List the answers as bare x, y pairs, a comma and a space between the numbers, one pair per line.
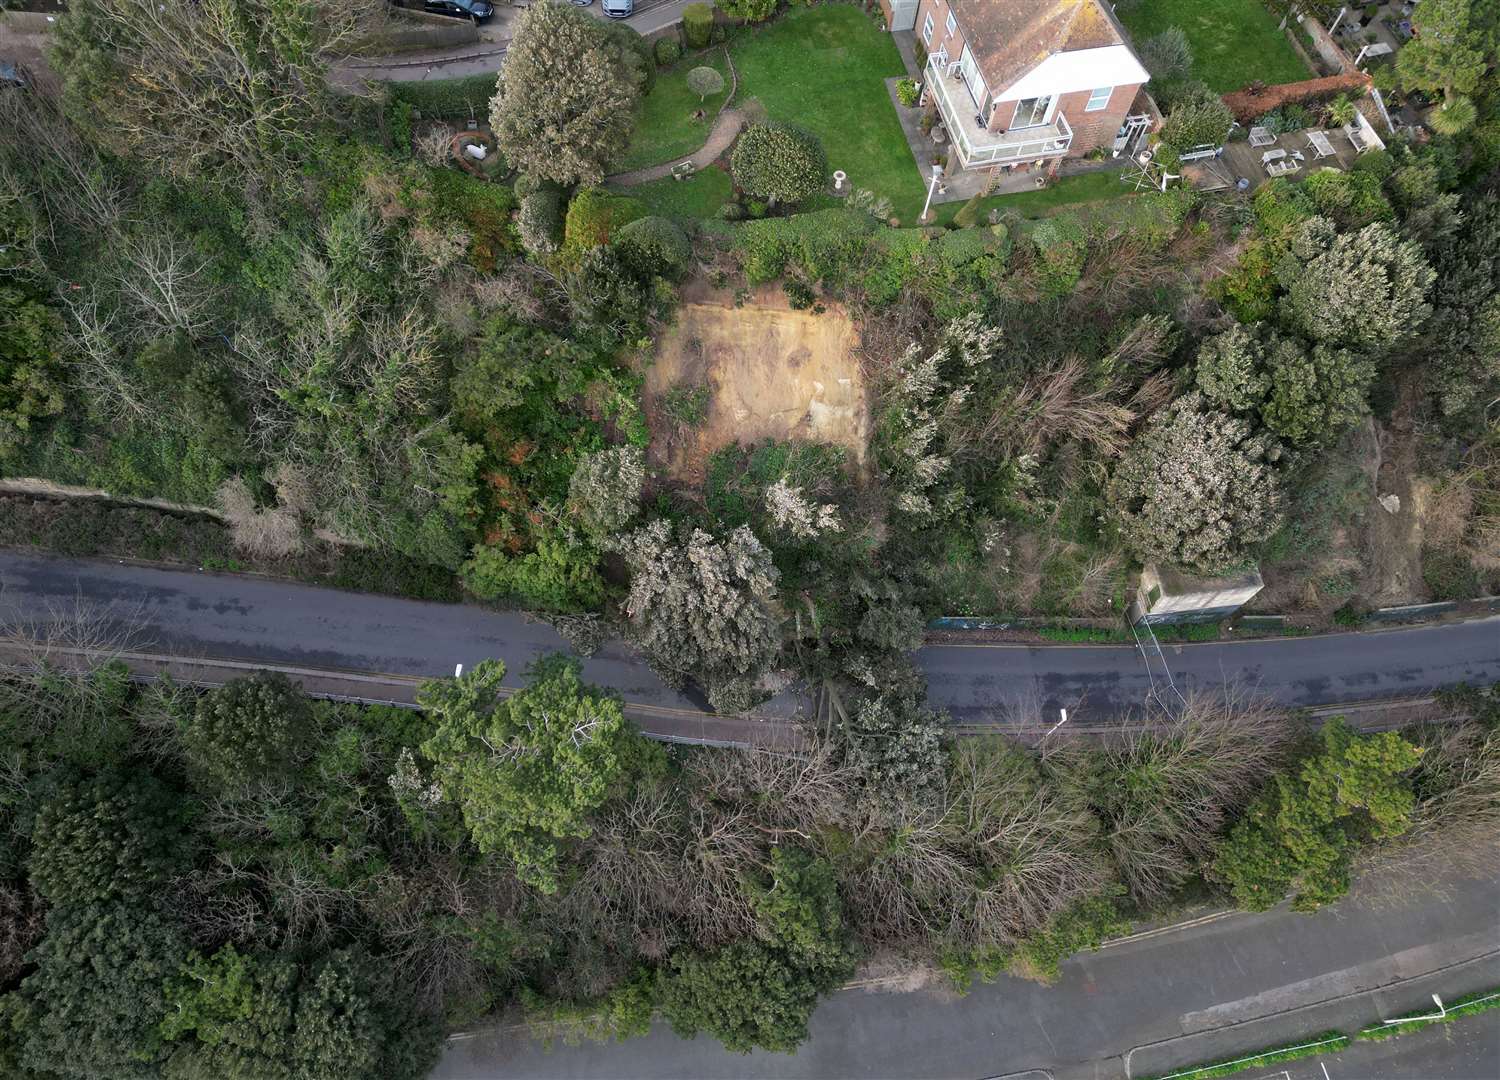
952, 24
927, 29
1095, 103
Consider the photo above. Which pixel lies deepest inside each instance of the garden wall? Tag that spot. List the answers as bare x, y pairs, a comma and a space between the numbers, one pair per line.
1249, 104
407, 29
1330, 50
29, 22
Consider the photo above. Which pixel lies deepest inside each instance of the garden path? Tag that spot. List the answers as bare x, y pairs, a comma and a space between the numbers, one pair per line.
720, 137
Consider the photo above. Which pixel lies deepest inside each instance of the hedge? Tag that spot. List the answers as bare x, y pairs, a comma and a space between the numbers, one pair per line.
448, 99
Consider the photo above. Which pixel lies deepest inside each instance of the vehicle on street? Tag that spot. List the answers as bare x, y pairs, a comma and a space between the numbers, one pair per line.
618, 9
478, 10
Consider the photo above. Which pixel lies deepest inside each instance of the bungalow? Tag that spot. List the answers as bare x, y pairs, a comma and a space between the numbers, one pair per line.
1024, 81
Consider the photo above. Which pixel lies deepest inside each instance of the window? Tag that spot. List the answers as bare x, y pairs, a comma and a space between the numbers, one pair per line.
952, 24
927, 29
1099, 99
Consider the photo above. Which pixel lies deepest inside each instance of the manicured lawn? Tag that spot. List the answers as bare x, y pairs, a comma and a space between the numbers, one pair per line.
1235, 42
699, 196
825, 69
1069, 191
665, 129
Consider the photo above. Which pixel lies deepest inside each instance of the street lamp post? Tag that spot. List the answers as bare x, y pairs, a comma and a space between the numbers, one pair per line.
937, 174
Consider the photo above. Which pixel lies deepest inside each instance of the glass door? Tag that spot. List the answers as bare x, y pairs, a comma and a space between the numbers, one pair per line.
1032, 112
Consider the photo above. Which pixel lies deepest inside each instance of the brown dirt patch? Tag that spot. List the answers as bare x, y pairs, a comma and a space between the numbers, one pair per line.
770, 373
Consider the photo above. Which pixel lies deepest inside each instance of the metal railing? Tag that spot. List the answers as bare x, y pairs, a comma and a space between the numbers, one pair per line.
976, 146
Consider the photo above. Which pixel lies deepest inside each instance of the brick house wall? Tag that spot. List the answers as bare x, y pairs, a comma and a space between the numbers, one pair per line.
1090, 129
1097, 128
938, 9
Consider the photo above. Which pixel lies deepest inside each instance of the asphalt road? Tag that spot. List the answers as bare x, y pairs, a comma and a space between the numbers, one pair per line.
1144, 1007
245, 618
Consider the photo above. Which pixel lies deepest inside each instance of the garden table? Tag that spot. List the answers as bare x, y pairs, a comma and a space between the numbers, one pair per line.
1259, 136
1319, 143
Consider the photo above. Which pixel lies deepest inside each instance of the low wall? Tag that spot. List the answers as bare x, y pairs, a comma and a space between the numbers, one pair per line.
406, 29
1331, 51
1249, 104
30, 22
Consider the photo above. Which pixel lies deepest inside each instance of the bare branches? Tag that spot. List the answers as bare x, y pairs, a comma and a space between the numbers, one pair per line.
1166, 795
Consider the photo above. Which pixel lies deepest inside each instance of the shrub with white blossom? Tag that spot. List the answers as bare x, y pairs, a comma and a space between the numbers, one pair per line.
1196, 489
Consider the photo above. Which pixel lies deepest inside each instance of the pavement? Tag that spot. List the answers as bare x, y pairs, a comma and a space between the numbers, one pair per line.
1208, 991
191, 614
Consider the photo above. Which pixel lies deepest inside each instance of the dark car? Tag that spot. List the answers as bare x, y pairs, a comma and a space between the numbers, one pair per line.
618, 9
478, 10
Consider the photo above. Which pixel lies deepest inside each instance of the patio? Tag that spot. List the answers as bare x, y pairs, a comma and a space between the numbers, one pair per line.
1242, 160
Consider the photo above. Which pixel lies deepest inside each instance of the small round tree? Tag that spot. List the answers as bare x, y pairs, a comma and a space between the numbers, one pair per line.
779, 162
654, 246
704, 81
257, 726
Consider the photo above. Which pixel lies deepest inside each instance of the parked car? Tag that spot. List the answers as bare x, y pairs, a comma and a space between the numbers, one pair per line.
619, 9
582, 3
478, 10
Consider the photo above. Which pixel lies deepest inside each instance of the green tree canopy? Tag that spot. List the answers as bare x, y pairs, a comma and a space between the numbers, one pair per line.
566, 102
1304, 831
114, 835
778, 162
31, 368
527, 770
95, 1003
255, 727
762, 993
699, 606
1305, 396
192, 87
1456, 41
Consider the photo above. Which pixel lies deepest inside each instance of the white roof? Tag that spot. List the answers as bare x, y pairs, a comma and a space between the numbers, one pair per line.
1081, 69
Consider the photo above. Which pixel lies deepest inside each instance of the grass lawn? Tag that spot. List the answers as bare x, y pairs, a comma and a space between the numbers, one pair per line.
665, 129
825, 69
1069, 191
699, 196
1235, 42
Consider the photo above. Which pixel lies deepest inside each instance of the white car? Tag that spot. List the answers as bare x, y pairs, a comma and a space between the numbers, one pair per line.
619, 9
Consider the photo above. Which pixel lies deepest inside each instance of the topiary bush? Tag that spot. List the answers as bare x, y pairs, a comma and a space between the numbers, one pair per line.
779, 162
652, 246
593, 216
704, 81
668, 52
697, 25
540, 221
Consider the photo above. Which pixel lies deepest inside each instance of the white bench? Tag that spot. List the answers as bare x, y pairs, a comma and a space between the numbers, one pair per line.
1357, 138
1259, 136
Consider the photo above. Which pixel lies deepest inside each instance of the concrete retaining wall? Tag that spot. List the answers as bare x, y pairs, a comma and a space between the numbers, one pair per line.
405, 29
30, 22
